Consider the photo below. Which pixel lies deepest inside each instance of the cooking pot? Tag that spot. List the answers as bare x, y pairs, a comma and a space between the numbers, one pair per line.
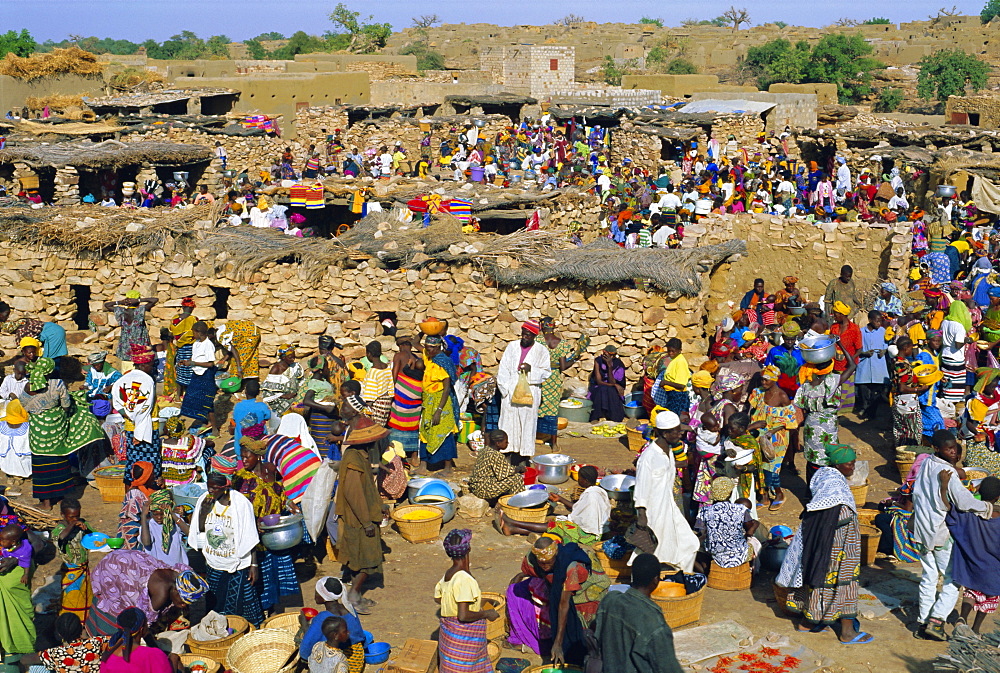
820, 349
946, 190
446, 506
553, 468
772, 556
284, 535
618, 486
479, 123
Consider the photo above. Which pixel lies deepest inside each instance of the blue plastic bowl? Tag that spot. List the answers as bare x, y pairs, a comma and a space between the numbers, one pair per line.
377, 653
436, 487
369, 638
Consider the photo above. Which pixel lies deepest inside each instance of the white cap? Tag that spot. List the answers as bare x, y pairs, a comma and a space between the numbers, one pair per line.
667, 420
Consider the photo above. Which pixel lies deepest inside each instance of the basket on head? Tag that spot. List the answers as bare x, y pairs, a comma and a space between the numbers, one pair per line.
524, 514
730, 579
498, 628
264, 651
870, 536
211, 665
681, 610
108, 481
285, 620
218, 648
635, 439
423, 529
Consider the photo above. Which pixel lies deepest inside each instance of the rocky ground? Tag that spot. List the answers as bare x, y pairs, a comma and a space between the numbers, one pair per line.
405, 600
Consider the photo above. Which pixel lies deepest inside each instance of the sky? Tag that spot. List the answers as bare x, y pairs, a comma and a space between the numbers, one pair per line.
138, 20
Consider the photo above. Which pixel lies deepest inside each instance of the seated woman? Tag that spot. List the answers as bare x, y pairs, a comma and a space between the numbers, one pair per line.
590, 513
75, 653
493, 476
555, 576
124, 654
607, 386
136, 499
726, 528
132, 578
332, 595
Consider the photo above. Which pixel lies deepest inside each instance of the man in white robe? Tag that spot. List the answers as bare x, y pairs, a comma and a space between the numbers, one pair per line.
655, 472
520, 421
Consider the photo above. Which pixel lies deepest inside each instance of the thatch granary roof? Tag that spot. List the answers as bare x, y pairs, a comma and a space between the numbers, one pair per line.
106, 154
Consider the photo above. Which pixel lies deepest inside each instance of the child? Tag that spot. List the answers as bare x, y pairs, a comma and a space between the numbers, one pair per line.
707, 445
329, 656
391, 477
18, 633
726, 527
68, 533
742, 455
161, 529
976, 555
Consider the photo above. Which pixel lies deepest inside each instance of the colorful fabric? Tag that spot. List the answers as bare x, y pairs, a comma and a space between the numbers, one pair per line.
493, 475
726, 536
819, 399
136, 451
51, 477
120, 580
295, 463
181, 456
132, 332
163, 501
199, 398
76, 592
81, 656
17, 627
837, 597
314, 196
553, 385
433, 436
232, 594
182, 372
129, 526
462, 647
405, 412
277, 576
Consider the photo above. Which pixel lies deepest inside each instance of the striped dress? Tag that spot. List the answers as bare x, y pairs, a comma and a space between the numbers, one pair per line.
404, 416
295, 463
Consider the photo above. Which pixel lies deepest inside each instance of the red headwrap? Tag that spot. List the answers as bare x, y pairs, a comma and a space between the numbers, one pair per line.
720, 350
188, 301
142, 354
531, 326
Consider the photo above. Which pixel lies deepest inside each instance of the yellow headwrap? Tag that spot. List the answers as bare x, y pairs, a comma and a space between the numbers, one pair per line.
15, 413
29, 341
702, 379
841, 308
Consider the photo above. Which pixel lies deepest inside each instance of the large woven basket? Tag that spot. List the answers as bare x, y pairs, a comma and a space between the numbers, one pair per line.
218, 648
109, 482
524, 514
781, 596
904, 467
211, 665
286, 620
866, 516
860, 494
682, 610
494, 650
613, 568
421, 530
870, 536
635, 439
264, 651
730, 579
498, 628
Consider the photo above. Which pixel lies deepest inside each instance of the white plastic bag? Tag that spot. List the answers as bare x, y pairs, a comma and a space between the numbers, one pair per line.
316, 499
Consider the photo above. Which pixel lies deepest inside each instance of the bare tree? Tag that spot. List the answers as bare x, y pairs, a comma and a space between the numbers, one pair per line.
943, 13
846, 22
570, 19
737, 17
425, 21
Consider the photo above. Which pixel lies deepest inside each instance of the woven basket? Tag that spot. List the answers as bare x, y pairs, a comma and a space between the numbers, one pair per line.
870, 536
730, 579
781, 596
218, 648
860, 494
635, 439
422, 530
29, 182
109, 482
682, 610
904, 467
613, 568
494, 650
263, 651
867, 516
499, 627
524, 514
286, 620
211, 665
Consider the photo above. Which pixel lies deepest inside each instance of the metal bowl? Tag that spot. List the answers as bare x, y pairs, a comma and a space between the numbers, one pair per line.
820, 349
414, 485
553, 468
529, 499
796, 310
446, 506
618, 486
946, 190
284, 535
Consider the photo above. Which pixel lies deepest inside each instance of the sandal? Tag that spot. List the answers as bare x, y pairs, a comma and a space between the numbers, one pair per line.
775, 505
862, 638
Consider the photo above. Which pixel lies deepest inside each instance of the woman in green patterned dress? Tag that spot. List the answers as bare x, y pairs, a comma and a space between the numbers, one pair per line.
562, 355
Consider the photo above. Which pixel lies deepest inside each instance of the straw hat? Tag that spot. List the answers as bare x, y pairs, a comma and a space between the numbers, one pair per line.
365, 431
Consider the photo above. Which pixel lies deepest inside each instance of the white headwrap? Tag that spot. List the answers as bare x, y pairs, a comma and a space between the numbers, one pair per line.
328, 595
829, 489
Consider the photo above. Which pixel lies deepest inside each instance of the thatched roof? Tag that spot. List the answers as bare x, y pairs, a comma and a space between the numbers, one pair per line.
107, 154
490, 99
527, 258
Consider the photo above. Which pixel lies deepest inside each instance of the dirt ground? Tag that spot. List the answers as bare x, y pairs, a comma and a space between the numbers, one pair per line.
405, 600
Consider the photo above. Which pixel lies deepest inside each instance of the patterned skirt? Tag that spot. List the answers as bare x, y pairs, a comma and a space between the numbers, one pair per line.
953, 383
199, 398
548, 425
232, 594
136, 451
838, 597
462, 647
183, 373
848, 395
51, 477
76, 593
277, 577
405, 412
380, 408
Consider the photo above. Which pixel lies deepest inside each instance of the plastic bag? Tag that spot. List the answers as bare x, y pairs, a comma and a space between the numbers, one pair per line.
316, 500
522, 391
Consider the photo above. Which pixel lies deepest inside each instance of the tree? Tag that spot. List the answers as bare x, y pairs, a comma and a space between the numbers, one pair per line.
365, 37
217, 46
846, 22
948, 72
299, 43
737, 17
943, 13
719, 21
651, 22
843, 60
425, 21
990, 10
777, 61
269, 36
256, 50
427, 58
612, 72
681, 66
570, 19
876, 21
781, 24
889, 100
20, 44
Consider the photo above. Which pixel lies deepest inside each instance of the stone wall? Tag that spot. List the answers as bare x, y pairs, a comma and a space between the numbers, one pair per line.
531, 69
982, 110
797, 110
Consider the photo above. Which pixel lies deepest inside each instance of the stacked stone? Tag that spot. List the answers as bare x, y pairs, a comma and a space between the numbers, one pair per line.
67, 187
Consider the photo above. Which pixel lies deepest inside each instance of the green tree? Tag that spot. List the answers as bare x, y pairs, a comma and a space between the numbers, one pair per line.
427, 58
990, 10
889, 100
948, 72
256, 50
299, 43
781, 24
612, 72
843, 60
777, 61
269, 36
17, 43
651, 21
365, 37
681, 66
876, 21
218, 46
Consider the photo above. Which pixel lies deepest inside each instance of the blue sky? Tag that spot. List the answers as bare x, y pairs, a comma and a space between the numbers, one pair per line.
138, 20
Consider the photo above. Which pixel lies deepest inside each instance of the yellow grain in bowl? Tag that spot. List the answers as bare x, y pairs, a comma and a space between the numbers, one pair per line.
420, 515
